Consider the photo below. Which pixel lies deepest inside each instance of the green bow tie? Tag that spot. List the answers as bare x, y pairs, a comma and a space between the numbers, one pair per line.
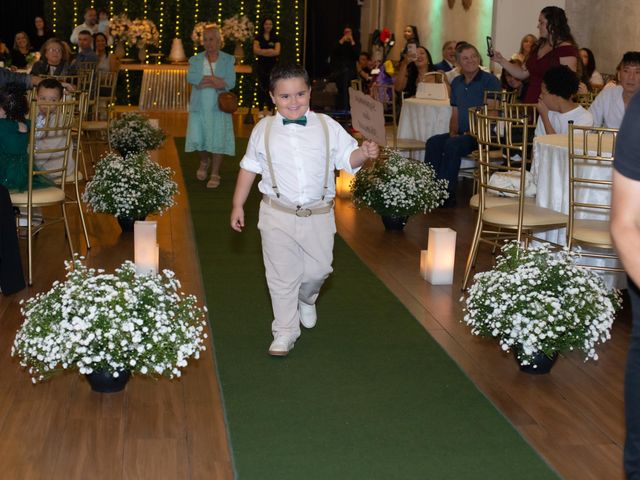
298, 121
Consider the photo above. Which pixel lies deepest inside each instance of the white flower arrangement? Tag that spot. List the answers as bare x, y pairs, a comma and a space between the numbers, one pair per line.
398, 187
130, 187
143, 32
133, 133
99, 322
119, 26
198, 30
237, 29
535, 300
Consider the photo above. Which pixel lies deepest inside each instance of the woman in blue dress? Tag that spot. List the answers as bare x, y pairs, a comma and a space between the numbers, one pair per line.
210, 131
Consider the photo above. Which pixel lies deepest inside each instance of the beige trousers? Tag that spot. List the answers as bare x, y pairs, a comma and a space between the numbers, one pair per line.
297, 253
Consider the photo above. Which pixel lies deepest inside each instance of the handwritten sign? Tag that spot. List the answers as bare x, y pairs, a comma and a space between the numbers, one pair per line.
367, 116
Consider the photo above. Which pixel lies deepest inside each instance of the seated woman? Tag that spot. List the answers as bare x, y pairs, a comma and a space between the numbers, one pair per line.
54, 59
410, 73
106, 62
609, 106
21, 49
556, 107
511, 83
527, 42
41, 33
590, 76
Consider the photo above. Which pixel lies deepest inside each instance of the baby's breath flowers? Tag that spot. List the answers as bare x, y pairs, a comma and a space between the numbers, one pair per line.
535, 300
133, 133
130, 187
398, 187
100, 322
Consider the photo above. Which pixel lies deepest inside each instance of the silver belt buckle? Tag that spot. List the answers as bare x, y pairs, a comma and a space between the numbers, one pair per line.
303, 212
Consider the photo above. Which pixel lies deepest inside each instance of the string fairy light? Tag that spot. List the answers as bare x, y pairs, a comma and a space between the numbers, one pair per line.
54, 14
296, 12
177, 30
256, 31
161, 26
220, 12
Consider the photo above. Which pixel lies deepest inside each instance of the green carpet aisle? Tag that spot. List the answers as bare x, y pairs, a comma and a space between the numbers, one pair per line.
367, 394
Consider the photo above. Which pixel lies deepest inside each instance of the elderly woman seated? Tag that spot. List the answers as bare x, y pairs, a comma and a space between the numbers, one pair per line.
54, 59
609, 106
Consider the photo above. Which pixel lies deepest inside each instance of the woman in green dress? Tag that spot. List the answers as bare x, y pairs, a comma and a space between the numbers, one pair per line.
14, 140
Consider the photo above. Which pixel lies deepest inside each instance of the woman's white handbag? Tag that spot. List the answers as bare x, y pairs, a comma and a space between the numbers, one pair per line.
432, 91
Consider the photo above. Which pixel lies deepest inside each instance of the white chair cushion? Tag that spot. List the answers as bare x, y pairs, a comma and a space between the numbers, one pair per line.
41, 196
507, 216
595, 232
94, 125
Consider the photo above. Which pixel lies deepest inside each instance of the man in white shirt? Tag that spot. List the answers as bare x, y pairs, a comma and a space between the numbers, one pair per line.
555, 106
90, 24
609, 106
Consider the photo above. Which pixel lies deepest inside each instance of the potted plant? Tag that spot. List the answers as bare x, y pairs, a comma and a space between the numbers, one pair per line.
130, 188
108, 326
133, 133
396, 188
540, 303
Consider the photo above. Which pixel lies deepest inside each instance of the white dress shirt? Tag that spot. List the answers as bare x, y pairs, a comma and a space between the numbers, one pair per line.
608, 108
298, 156
560, 121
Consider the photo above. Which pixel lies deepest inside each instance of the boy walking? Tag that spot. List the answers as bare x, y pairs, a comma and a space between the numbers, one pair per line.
296, 152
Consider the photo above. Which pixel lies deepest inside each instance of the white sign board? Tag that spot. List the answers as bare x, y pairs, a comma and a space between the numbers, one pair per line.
367, 116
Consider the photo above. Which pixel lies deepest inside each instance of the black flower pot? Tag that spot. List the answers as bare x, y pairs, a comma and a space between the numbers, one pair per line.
394, 224
126, 224
540, 364
105, 382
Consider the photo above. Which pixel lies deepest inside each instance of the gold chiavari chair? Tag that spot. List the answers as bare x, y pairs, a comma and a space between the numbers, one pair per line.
591, 154
387, 95
55, 120
519, 219
494, 100
95, 130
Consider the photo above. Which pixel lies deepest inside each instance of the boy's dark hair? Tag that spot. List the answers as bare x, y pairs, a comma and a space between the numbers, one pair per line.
366, 54
85, 32
51, 83
14, 101
630, 58
561, 81
283, 71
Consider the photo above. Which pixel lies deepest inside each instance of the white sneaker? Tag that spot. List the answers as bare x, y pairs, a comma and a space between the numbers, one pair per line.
308, 316
281, 345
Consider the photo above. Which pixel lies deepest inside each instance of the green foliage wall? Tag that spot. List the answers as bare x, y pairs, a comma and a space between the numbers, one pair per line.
181, 15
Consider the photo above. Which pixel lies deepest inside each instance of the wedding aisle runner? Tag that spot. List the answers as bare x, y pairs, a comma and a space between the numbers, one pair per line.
367, 394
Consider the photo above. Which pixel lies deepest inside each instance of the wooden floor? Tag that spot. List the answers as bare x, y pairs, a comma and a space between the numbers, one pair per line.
175, 429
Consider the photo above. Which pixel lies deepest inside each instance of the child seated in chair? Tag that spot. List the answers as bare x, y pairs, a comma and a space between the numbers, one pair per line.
555, 105
50, 90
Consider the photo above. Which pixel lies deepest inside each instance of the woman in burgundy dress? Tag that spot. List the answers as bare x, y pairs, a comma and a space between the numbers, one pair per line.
555, 46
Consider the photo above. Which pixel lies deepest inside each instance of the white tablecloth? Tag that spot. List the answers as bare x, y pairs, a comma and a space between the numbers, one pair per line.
420, 119
550, 171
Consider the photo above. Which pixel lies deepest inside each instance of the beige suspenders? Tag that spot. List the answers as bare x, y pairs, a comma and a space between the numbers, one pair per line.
325, 128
